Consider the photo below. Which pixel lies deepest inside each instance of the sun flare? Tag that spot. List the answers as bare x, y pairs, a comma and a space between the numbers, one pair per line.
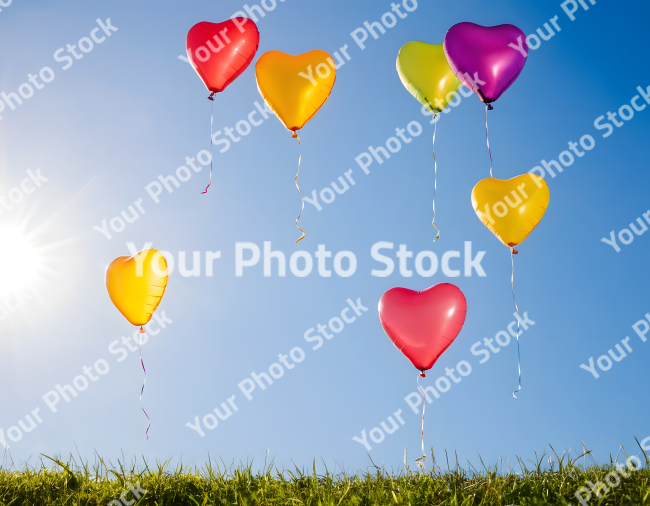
20, 259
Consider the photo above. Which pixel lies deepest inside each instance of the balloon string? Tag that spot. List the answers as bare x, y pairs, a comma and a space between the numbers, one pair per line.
301, 200
488, 107
435, 177
211, 142
424, 405
512, 283
144, 382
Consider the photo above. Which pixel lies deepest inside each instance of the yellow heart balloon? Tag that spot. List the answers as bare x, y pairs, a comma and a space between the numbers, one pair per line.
511, 208
137, 284
425, 73
295, 87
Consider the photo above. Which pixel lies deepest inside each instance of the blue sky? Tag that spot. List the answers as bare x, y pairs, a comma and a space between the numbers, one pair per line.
130, 111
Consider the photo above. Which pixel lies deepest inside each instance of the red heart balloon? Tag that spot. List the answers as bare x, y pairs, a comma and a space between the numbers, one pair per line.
423, 324
220, 52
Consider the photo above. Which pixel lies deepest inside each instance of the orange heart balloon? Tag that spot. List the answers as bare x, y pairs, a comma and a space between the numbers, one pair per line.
511, 208
295, 87
137, 284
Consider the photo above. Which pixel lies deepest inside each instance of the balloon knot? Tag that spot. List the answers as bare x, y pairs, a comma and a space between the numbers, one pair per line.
210, 97
294, 135
514, 251
141, 330
489, 106
422, 375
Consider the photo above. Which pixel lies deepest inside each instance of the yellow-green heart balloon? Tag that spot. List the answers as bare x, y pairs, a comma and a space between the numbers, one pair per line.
425, 73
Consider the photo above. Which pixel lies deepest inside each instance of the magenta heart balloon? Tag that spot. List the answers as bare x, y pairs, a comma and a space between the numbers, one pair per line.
423, 324
486, 59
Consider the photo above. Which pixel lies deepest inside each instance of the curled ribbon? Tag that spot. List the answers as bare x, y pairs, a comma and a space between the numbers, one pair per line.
211, 142
145, 380
488, 107
421, 460
295, 136
512, 283
435, 178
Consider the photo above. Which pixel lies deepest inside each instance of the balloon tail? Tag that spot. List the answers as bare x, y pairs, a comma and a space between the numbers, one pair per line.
148, 420
295, 136
211, 142
488, 107
512, 283
435, 182
144, 382
302, 201
420, 460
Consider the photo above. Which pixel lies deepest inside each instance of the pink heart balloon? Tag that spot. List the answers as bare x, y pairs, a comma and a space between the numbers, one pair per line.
423, 324
486, 59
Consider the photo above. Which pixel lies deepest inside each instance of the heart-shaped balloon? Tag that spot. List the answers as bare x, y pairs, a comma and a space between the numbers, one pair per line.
220, 52
511, 208
137, 284
295, 87
425, 73
487, 59
423, 324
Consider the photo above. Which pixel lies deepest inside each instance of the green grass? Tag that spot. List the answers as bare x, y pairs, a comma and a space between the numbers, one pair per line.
535, 482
